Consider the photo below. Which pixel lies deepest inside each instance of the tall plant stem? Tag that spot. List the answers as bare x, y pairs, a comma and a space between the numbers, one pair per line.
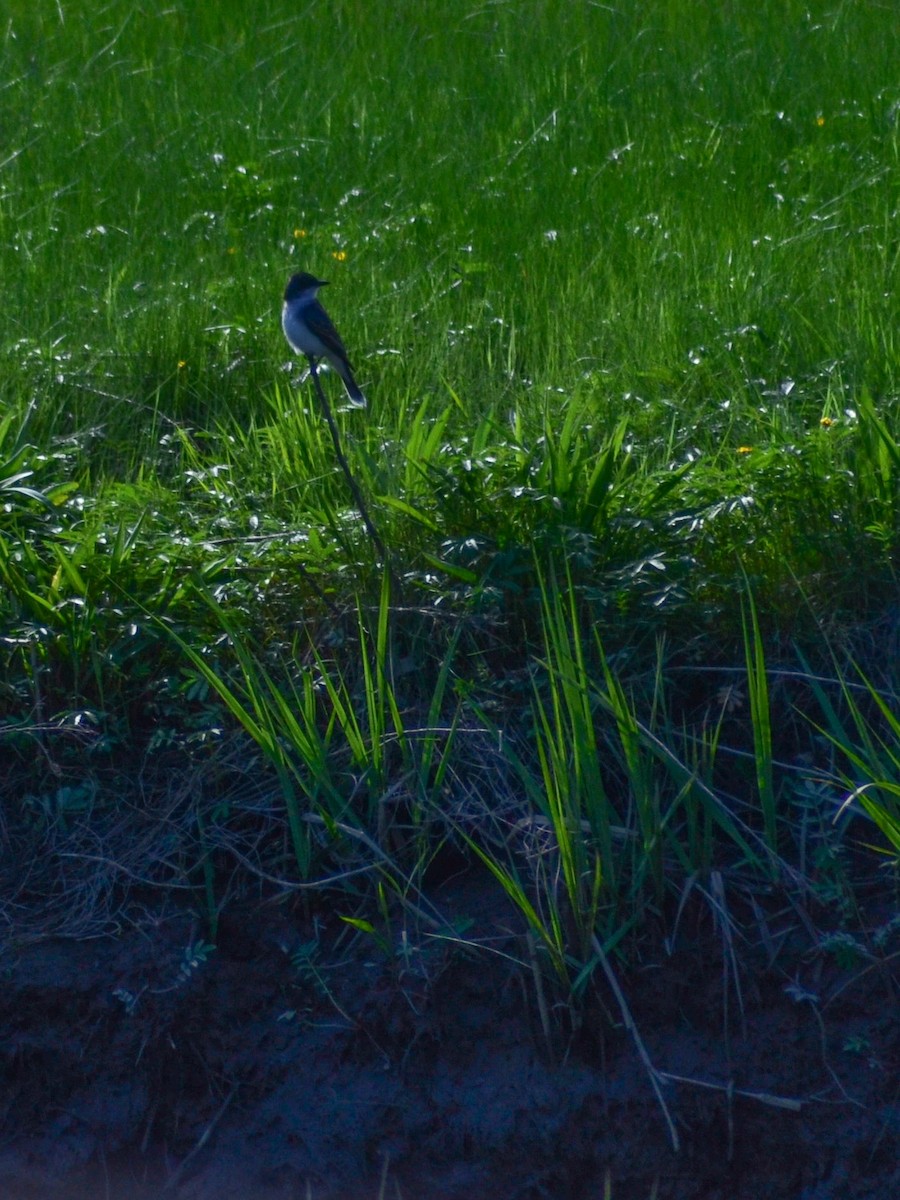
355, 490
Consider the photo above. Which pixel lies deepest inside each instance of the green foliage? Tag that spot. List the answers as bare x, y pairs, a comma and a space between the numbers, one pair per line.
571, 326
868, 742
761, 719
618, 282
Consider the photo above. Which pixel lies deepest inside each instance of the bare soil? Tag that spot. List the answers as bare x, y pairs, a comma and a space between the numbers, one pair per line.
300, 1058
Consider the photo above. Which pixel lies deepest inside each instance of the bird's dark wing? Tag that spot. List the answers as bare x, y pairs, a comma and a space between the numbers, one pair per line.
320, 324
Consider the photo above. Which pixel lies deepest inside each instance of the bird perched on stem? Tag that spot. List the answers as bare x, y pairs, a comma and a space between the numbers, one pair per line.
308, 329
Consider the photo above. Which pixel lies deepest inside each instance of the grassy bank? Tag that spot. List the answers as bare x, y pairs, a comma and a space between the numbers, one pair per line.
620, 285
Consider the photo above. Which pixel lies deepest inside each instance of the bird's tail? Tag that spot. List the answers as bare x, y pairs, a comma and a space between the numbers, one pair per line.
357, 399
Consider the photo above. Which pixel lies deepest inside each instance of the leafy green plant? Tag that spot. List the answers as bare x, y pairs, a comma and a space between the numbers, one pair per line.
760, 717
283, 721
588, 868
20, 462
581, 427
869, 746
878, 467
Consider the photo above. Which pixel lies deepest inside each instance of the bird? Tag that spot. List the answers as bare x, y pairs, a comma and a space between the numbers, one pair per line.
309, 330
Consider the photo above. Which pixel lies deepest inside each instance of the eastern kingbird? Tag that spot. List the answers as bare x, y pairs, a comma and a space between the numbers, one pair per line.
309, 330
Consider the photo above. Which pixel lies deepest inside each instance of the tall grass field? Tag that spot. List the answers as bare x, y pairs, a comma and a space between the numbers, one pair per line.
620, 282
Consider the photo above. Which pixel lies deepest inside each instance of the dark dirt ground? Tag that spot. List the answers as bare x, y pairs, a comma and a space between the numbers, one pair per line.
298, 1059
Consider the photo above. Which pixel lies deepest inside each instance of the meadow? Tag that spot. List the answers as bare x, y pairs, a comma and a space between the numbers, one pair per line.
620, 283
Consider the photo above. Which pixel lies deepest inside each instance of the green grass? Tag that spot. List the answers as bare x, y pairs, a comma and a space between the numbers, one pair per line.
621, 286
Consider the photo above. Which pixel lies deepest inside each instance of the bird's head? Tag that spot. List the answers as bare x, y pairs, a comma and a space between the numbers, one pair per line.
302, 283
